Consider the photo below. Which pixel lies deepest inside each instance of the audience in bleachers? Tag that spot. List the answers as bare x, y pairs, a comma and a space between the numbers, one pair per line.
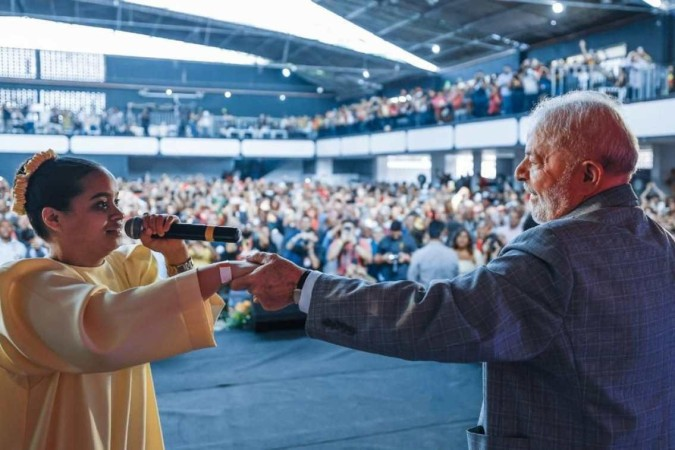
633, 77
363, 231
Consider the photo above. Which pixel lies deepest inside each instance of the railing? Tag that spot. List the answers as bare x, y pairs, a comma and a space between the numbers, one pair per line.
628, 83
648, 120
635, 82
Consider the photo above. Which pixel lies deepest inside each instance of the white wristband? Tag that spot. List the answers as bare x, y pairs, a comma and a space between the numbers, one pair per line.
225, 274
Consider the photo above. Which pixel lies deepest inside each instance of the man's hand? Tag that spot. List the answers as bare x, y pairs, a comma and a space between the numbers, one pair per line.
272, 283
240, 268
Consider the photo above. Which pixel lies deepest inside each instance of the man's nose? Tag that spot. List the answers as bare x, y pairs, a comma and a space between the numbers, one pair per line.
521, 171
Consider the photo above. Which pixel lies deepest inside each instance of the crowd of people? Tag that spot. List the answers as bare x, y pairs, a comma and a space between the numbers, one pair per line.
512, 91
571, 318
368, 231
572, 322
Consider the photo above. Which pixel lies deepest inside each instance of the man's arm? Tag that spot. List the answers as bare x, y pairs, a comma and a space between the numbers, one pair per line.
509, 310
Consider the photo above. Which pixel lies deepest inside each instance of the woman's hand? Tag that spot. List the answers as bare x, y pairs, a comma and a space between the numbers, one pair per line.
174, 250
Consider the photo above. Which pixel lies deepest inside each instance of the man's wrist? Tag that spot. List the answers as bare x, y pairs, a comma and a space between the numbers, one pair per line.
302, 279
297, 292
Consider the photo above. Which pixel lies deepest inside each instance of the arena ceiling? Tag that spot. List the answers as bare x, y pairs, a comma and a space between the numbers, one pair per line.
465, 31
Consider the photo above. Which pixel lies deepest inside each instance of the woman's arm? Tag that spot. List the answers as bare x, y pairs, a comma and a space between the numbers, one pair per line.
210, 279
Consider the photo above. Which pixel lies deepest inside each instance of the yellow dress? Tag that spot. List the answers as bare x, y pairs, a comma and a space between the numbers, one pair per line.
75, 344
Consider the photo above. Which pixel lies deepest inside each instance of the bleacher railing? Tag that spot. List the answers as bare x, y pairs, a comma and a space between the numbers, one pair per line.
649, 119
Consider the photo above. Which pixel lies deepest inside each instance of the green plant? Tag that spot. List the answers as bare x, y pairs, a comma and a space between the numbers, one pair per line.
239, 315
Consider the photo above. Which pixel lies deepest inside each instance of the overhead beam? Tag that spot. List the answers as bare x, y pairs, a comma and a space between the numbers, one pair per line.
155, 26
399, 24
478, 42
17, 6
474, 61
410, 19
577, 4
284, 56
455, 32
118, 25
207, 33
357, 12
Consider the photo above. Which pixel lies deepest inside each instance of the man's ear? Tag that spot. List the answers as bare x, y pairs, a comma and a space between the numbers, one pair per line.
593, 174
51, 218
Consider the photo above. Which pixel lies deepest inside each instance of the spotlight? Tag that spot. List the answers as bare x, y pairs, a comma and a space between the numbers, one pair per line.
168, 92
282, 97
557, 7
554, 22
286, 72
319, 90
654, 3
435, 49
227, 94
366, 74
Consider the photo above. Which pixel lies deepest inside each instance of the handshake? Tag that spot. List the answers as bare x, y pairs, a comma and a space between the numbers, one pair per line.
269, 277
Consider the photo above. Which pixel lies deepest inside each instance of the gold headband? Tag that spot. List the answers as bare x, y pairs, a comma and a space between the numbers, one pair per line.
21, 180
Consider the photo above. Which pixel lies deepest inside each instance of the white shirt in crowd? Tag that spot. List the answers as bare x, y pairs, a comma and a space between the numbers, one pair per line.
11, 250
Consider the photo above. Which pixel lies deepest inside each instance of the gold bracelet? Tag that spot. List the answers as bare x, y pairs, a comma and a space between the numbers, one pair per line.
180, 268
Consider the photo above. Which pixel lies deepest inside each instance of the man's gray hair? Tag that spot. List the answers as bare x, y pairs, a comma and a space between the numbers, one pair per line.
588, 125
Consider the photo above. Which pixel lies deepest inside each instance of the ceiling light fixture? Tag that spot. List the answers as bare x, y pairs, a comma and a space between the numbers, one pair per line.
282, 97
654, 3
557, 7
227, 94
305, 19
24, 32
435, 49
286, 72
366, 74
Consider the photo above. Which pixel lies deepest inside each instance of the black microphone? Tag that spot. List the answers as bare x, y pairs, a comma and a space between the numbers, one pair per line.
134, 227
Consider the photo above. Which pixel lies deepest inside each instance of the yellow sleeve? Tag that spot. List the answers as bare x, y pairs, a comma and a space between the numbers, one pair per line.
53, 321
140, 268
136, 263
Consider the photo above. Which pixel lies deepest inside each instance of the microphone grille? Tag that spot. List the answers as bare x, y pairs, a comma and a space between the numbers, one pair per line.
133, 227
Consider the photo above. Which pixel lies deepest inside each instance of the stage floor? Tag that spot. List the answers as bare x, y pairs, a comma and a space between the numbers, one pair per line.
282, 390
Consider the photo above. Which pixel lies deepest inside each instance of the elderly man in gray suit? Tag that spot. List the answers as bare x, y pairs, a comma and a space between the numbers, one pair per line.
575, 319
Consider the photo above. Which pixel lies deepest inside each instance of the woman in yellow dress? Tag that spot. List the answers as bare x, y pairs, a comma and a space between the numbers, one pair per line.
78, 329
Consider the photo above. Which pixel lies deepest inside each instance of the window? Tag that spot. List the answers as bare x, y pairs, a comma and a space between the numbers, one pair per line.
18, 97
488, 165
74, 100
645, 159
71, 66
463, 165
17, 63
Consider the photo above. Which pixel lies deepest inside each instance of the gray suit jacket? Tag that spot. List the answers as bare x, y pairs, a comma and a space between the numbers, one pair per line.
575, 321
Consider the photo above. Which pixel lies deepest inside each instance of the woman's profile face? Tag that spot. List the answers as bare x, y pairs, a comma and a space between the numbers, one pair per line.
92, 227
462, 239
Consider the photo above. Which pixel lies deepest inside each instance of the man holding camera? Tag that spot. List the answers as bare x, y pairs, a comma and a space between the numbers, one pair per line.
299, 245
350, 253
394, 252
